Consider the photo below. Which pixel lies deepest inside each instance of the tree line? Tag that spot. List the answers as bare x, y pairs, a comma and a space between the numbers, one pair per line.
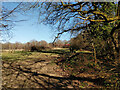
33, 43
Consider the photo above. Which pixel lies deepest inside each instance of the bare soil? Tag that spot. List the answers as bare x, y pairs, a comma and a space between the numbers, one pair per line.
40, 71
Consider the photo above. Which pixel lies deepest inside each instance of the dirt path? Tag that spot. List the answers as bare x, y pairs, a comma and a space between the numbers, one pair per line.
39, 71
31, 73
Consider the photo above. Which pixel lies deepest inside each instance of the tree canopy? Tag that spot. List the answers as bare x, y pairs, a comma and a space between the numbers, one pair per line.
75, 17
71, 17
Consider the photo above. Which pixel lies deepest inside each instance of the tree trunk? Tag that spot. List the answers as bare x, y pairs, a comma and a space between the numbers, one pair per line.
93, 45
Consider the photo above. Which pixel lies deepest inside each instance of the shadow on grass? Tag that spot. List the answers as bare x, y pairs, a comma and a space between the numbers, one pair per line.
34, 79
54, 51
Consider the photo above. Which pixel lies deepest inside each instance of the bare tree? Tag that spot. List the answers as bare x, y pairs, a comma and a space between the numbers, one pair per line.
8, 20
43, 43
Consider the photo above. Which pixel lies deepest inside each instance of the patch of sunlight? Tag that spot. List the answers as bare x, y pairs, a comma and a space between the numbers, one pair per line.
84, 51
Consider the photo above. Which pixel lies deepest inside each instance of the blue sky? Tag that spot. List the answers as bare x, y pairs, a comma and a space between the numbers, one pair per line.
30, 29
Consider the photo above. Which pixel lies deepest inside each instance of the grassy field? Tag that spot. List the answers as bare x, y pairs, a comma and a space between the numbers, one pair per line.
56, 68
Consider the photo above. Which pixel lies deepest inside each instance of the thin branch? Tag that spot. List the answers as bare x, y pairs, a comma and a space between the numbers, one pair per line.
11, 11
73, 29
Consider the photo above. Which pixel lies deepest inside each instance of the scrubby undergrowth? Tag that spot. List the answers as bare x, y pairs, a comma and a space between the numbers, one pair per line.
83, 65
